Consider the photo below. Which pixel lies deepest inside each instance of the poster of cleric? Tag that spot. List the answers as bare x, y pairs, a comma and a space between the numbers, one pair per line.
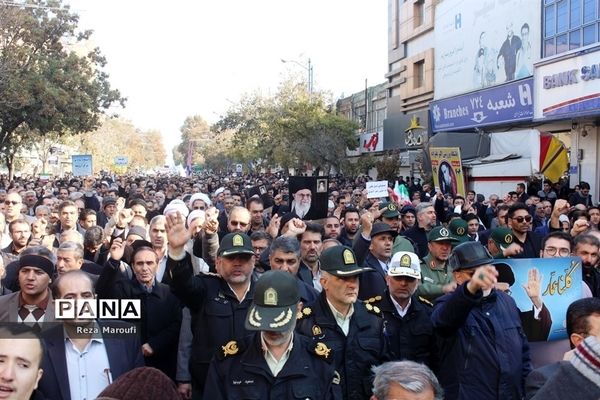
308, 197
543, 288
484, 43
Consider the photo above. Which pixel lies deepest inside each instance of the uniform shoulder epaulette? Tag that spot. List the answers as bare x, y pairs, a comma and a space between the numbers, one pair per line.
373, 300
305, 312
425, 301
229, 349
321, 351
373, 309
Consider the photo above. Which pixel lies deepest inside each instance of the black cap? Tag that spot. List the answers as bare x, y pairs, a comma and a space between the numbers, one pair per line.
470, 255
340, 261
382, 227
235, 243
274, 305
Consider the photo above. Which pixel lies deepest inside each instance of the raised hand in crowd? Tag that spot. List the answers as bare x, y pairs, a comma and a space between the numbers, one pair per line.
177, 233
484, 278
274, 224
295, 227
117, 249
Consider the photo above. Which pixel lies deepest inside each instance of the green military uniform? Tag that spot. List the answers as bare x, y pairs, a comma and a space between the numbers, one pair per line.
434, 276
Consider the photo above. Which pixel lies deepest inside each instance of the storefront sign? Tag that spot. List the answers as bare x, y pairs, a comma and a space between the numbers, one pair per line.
497, 105
567, 88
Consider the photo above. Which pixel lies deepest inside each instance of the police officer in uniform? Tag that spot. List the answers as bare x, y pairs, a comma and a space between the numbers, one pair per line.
218, 303
275, 362
408, 327
437, 278
352, 330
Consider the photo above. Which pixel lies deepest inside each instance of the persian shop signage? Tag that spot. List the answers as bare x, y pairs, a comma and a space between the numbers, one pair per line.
492, 106
569, 87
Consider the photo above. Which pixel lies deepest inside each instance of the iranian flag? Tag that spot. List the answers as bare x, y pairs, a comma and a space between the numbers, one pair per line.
401, 194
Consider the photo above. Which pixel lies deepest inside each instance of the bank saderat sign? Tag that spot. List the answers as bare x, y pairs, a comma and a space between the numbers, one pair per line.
569, 87
484, 43
496, 105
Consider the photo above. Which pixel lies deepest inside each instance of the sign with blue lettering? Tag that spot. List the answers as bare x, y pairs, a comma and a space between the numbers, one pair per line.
496, 105
121, 161
82, 165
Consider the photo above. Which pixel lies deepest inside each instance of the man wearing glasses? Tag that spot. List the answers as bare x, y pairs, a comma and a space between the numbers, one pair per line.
519, 220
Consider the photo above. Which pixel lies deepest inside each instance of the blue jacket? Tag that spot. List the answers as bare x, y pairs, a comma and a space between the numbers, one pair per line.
484, 353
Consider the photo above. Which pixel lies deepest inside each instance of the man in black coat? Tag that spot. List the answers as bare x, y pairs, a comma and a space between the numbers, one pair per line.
408, 327
218, 303
274, 363
351, 330
161, 310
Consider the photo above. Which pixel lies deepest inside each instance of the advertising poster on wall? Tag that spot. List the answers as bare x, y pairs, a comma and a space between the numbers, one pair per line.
447, 170
484, 43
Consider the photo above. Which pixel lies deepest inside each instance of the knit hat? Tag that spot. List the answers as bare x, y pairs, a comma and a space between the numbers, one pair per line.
32, 260
586, 359
176, 205
153, 383
137, 230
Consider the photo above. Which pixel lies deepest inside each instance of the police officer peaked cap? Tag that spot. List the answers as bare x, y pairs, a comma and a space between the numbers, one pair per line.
274, 305
235, 243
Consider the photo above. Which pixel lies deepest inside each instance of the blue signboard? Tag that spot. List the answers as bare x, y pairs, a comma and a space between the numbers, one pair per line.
496, 105
82, 165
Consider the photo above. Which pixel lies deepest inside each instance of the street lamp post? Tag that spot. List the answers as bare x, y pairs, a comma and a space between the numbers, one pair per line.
308, 68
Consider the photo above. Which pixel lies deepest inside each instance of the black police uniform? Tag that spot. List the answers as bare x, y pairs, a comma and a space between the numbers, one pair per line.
354, 354
240, 371
217, 314
410, 337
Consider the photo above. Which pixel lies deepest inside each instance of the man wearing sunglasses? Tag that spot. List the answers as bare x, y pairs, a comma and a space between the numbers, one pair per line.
520, 222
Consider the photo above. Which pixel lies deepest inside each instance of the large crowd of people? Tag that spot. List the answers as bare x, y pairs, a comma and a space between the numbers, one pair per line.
242, 296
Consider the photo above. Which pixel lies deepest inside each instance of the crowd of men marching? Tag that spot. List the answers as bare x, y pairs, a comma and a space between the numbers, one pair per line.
243, 297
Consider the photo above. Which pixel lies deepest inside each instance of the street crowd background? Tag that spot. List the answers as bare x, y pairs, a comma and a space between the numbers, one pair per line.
416, 293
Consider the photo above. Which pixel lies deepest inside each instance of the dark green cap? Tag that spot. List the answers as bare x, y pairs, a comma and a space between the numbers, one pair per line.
340, 261
389, 209
235, 243
458, 227
274, 303
502, 236
439, 234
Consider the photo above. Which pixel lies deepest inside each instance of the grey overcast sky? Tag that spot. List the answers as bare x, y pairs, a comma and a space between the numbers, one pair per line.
177, 58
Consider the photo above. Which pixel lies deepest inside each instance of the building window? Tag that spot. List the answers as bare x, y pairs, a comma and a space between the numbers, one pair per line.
569, 25
418, 8
418, 74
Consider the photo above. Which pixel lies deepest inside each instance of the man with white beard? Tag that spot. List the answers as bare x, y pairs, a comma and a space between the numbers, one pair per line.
301, 204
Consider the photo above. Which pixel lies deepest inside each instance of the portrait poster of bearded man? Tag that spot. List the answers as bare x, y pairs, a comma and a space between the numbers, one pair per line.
305, 201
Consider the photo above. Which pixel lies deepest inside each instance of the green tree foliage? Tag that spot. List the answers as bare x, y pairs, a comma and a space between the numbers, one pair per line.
119, 137
388, 166
196, 133
45, 85
290, 129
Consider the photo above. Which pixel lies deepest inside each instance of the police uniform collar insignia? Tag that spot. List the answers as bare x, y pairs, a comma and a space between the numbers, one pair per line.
230, 349
349, 257
508, 238
336, 378
238, 240
270, 297
405, 261
316, 330
460, 230
444, 232
322, 350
